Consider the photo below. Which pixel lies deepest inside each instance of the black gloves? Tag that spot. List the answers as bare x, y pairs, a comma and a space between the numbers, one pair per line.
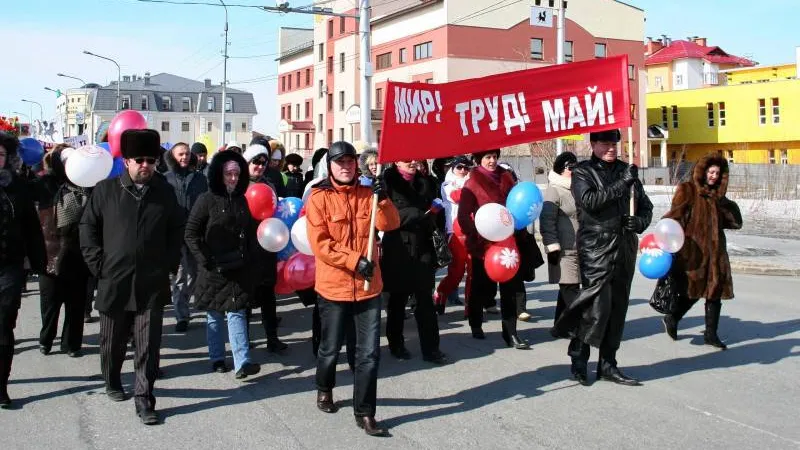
553, 258
379, 188
630, 175
633, 223
365, 268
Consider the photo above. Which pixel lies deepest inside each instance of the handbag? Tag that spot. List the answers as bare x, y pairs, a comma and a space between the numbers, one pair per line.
443, 254
669, 290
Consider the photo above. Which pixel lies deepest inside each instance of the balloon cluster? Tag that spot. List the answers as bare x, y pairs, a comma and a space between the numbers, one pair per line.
657, 248
496, 223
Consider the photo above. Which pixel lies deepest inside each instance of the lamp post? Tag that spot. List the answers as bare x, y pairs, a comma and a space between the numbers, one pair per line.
70, 76
58, 93
224, 75
41, 110
119, 71
85, 101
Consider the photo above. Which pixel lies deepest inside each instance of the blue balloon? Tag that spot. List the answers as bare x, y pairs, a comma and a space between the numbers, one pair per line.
105, 146
524, 202
288, 210
31, 151
117, 168
655, 264
287, 251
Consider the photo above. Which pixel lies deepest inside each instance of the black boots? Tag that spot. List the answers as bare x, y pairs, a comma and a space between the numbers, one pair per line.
6, 356
678, 311
510, 335
710, 337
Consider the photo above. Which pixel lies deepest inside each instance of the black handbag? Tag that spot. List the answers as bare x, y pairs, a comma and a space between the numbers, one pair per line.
669, 290
443, 254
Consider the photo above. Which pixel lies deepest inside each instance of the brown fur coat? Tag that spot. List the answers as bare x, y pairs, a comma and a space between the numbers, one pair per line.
705, 212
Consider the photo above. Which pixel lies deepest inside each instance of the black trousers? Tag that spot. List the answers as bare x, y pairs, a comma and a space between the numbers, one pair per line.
91, 286
483, 288
567, 293
69, 291
336, 317
615, 296
12, 279
424, 314
268, 302
115, 331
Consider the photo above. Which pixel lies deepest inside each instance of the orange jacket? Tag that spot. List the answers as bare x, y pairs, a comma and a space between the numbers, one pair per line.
338, 231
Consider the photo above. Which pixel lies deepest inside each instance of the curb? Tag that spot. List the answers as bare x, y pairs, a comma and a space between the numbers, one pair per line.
764, 269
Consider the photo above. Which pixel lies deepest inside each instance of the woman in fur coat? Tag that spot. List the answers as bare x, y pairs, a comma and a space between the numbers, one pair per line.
704, 212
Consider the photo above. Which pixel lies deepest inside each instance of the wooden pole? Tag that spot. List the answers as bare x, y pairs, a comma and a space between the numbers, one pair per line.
371, 244
630, 161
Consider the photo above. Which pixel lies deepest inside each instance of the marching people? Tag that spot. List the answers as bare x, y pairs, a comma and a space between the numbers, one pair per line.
293, 172
221, 234
66, 279
558, 224
339, 213
607, 245
704, 212
408, 261
189, 184
489, 183
20, 238
131, 234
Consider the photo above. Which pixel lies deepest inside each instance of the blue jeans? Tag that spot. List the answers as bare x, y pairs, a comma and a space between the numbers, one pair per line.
182, 286
237, 335
335, 318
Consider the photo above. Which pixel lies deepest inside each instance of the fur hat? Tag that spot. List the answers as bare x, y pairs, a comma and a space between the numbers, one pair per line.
140, 143
478, 156
199, 148
255, 150
563, 160
294, 159
605, 136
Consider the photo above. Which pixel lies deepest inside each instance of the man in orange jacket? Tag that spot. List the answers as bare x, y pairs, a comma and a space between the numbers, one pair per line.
338, 214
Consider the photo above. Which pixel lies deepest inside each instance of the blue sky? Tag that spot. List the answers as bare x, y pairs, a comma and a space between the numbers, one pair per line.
44, 37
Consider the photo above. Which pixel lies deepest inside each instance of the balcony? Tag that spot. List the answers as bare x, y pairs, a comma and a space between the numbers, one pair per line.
711, 78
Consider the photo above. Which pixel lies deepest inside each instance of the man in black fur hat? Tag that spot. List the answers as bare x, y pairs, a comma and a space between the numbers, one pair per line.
131, 235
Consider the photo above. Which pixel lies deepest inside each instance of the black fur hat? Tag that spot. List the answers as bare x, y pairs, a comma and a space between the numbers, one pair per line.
140, 143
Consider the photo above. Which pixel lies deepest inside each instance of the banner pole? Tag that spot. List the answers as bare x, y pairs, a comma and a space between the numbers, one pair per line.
630, 161
371, 244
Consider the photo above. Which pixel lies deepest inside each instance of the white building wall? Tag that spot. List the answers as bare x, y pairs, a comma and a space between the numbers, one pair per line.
407, 25
680, 75
694, 70
345, 81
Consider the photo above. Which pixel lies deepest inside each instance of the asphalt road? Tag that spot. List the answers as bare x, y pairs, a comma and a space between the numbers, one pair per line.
693, 397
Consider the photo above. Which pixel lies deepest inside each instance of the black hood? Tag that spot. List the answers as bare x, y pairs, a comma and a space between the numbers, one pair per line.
10, 143
172, 164
215, 182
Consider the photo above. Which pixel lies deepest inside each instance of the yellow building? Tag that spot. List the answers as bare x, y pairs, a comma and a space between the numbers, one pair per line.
754, 118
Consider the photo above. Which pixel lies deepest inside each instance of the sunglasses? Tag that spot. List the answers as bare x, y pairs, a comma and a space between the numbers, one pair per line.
259, 162
150, 161
462, 167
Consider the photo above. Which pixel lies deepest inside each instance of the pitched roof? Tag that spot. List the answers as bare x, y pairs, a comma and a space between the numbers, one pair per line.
687, 49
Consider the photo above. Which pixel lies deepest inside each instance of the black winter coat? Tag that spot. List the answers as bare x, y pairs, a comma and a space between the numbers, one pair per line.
408, 256
188, 183
131, 241
294, 184
220, 230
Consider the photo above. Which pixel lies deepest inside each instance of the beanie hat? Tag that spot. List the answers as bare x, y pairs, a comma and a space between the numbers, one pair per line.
563, 160
253, 151
140, 144
199, 148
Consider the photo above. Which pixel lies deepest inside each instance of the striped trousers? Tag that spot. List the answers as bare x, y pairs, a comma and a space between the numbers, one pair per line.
115, 332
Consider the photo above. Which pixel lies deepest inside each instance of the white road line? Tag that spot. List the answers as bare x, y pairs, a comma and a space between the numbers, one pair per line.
717, 416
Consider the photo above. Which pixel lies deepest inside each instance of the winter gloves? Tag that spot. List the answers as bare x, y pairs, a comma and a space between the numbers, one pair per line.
379, 188
634, 223
630, 175
365, 268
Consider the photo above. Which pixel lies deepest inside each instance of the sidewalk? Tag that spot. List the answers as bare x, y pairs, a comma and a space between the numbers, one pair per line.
758, 255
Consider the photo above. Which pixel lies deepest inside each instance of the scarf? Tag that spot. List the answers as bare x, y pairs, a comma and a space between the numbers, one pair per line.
493, 175
70, 201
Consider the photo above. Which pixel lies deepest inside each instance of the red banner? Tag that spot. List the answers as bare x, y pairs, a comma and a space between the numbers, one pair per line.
423, 121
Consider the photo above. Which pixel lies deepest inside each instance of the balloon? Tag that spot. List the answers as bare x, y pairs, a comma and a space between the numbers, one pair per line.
87, 165
272, 235
669, 235
65, 152
300, 236
300, 271
287, 252
30, 151
502, 260
494, 222
261, 200
311, 184
648, 242
282, 286
125, 120
524, 202
105, 146
288, 210
655, 263
116, 168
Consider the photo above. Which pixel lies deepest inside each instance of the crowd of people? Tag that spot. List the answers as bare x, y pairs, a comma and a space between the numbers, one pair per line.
175, 228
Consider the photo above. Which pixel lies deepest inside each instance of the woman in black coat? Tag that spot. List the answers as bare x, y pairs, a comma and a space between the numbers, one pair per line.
220, 233
408, 261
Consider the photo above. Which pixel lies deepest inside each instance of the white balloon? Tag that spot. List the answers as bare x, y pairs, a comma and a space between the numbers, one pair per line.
311, 184
88, 165
65, 153
272, 235
669, 235
300, 236
494, 222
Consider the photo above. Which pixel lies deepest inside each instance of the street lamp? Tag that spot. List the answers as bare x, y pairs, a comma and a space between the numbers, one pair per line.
64, 114
21, 114
41, 110
224, 74
119, 70
83, 83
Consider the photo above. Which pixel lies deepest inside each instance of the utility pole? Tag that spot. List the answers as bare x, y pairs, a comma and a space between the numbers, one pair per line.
560, 37
224, 77
366, 72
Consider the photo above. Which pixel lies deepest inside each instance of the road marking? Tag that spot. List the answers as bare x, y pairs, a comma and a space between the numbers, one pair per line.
717, 416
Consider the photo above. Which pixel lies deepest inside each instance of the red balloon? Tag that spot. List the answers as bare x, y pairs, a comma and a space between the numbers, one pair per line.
300, 271
261, 200
125, 120
502, 260
648, 242
282, 286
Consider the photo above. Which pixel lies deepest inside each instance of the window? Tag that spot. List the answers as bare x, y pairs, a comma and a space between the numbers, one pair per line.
429, 80
186, 104
330, 64
631, 72
674, 116
307, 110
321, 88
762, 111
341, 28
710, 114
537, 48
289, 81
308, 77
208, 126
308, 141
721, 107
341, 100
402, 56
244, 127
383, 61
341, 134
341, 62
729, 156
776, 111
283, 83
330, 102
568, 51
283, 112
126, 102
378, 98
423, 51
297, 111
599, 50
145, 103
164, 126
679, 80
772, 156
664, 118
321, 52
330, 28
378, 136
297, 79
297, 141
330, 137
320, 119
166, 103
288, 112
185, 126
659, 82
228, 128
210, 104
784, 156
228, 104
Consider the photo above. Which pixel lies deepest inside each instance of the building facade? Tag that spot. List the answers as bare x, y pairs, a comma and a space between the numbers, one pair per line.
434, 41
